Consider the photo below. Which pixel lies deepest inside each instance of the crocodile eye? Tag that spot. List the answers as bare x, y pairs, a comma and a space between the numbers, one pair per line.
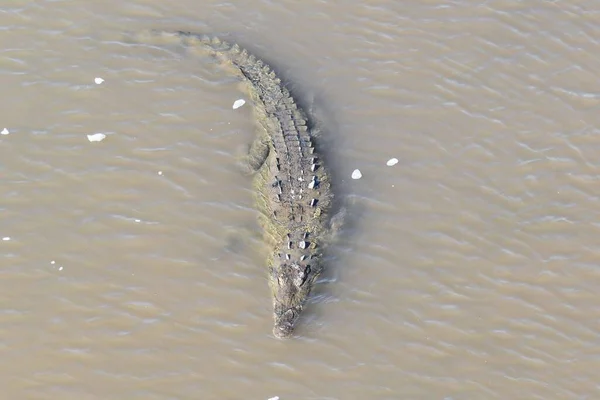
305, 275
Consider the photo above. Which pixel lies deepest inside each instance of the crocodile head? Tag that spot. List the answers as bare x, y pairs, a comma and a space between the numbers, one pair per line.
291, 283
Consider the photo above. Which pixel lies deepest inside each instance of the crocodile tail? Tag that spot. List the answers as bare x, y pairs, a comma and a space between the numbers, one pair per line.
255, 70
252, 68
289, 133
274, 97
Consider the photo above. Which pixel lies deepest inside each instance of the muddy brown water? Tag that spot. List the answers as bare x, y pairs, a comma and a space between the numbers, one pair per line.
132, 268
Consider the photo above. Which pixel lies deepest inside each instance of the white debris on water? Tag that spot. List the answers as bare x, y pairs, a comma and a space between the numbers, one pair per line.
4, 131
138, 220
6, 238
238, 103
274, 398
391, 162
98, 81
356, 174
160, 172
96, 137
53, 263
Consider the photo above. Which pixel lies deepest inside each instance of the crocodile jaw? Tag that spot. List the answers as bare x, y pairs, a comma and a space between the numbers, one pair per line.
291, 286
284, 322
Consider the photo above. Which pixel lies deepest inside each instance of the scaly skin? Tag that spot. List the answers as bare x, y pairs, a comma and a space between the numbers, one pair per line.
293, 193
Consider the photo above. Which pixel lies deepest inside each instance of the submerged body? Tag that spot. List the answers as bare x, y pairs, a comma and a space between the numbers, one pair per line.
293, 191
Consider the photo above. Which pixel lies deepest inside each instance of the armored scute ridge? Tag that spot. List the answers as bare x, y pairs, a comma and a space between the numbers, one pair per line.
292, 185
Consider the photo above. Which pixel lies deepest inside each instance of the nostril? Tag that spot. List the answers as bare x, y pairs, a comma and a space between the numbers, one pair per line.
282, 332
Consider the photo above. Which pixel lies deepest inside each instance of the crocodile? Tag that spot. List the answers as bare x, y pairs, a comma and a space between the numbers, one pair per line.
293, 190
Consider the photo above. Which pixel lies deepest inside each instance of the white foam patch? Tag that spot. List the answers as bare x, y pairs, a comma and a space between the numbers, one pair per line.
238, 103
356, 174
391, 162
96, 137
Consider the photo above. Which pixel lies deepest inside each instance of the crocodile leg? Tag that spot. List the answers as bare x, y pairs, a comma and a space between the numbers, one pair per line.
253, 157
337, 221
257, 154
